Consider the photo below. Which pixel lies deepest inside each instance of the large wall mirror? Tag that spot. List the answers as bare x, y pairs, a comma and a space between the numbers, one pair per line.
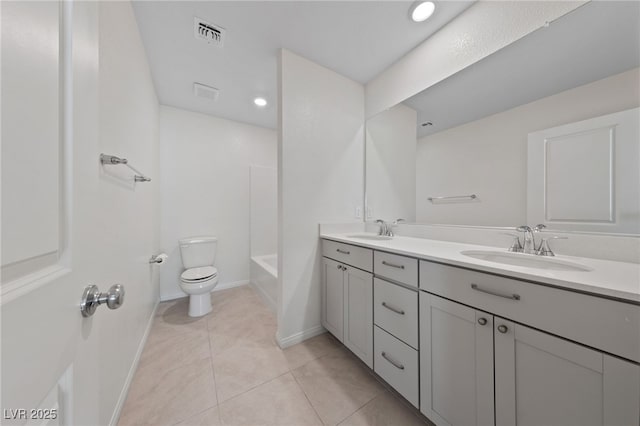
542, 131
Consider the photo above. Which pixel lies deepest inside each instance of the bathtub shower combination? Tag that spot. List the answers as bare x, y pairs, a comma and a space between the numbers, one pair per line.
264, 277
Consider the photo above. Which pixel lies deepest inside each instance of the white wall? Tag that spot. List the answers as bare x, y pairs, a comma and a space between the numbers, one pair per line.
264, 210
205, 180
391, 164
128, 218
479, 31
320, 156
489, 156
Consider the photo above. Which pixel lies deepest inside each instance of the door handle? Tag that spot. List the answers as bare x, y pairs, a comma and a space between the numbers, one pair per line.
92, 298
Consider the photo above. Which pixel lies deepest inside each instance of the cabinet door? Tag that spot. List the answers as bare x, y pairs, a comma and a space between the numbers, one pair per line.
333, 297
456, 363
358, 313
545, 380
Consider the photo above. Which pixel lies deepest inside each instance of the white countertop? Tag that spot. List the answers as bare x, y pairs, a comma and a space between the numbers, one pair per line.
620, 280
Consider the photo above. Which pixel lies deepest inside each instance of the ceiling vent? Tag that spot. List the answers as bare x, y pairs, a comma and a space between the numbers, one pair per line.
208, 32
206, 92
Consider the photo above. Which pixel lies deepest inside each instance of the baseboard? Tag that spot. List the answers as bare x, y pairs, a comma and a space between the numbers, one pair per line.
299, 337
132, 371
264, 296
224, 286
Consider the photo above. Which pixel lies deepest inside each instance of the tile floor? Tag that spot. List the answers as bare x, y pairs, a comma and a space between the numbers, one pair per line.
226, 369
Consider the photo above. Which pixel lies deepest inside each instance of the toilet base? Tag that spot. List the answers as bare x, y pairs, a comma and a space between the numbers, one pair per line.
199, 304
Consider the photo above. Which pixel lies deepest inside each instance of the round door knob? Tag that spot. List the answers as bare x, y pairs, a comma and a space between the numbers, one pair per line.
115, 296
482, 321
503, 328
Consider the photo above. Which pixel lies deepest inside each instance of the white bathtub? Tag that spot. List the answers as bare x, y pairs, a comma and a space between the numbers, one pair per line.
264, 277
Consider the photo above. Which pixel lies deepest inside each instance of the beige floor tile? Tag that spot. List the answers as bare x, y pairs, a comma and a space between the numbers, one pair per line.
246, 365
279, 402
174, 305
210, 417
254, 325
167, 397
311, 349
165, 353
384, 410
337, 385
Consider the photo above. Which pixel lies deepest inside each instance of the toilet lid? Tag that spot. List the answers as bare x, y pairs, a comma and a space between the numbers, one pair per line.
199, 274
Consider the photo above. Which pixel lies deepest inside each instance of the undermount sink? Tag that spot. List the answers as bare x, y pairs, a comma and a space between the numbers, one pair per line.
525, 260
370, 237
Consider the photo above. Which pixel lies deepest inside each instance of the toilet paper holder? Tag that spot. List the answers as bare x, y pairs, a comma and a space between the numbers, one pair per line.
158, 258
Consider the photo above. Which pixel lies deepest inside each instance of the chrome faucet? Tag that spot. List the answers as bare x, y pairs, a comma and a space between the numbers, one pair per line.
528, 244
385, 228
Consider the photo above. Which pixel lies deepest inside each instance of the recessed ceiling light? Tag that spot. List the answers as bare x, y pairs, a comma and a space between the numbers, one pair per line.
261, 102
422, 10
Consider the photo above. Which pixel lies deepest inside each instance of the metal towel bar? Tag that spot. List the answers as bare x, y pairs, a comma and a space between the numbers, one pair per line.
453, 197
113, 160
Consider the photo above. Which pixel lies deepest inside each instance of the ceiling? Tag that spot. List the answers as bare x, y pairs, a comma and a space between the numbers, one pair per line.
597, 40
358, 39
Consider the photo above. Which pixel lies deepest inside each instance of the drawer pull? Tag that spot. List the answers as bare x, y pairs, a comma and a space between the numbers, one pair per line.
495, 293
393, 265
393, 362
391, 308
343, 251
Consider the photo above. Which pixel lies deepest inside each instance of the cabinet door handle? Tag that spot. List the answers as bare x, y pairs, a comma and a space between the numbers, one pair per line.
343, 251
482, 321
503, 328
391, 308
393, 362
340, 267
495, 293
393, 265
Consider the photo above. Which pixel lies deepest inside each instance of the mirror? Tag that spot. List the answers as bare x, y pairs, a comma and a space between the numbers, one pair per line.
522, 136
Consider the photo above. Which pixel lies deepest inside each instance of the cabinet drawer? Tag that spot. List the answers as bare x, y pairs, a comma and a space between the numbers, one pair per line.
605, 324
395, 267
395, 309
359, 257
397, 364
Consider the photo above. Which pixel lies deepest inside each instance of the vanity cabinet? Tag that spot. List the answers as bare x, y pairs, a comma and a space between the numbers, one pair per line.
347, 298
539, 378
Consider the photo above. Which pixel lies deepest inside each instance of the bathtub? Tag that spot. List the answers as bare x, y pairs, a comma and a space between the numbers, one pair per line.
264, 277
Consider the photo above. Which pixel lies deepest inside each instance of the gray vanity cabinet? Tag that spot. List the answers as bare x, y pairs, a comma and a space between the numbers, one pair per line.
333, 297
540, 379
347, 297
456, 363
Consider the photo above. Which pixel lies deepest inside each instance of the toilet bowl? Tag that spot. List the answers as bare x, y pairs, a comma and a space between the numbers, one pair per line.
200, 276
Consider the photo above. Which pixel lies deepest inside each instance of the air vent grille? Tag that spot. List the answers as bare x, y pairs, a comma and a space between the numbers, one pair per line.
204, 91
208, 32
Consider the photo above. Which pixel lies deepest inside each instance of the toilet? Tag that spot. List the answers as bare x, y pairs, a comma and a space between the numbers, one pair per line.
200, 276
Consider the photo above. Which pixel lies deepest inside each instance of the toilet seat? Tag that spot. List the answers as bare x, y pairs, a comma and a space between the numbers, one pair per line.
195, 275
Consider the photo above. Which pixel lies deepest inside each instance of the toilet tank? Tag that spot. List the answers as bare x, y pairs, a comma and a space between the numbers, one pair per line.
198, 251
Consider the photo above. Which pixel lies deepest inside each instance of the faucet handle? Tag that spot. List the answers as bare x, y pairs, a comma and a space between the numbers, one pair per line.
539, 227
399, 221
516, 245
544, 249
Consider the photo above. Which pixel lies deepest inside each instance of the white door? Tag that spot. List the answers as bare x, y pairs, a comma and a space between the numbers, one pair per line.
456, 363
545, 380
333, 297
358, 313
49, 176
